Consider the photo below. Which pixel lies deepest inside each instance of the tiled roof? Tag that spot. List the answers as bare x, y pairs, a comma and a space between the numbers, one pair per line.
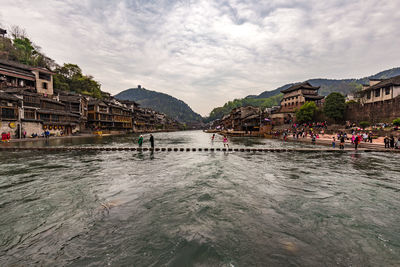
387, 82
6, 96
16, 69
305, 85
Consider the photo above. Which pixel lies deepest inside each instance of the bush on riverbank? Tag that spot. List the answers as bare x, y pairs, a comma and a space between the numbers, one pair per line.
364, 124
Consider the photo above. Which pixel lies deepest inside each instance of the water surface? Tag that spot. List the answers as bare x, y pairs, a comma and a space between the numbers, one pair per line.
123, 208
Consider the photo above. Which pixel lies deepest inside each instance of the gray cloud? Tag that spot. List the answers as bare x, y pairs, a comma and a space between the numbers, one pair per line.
208, 52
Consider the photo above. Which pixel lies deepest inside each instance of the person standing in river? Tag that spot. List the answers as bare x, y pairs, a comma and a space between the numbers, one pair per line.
356, 142
226, 141
140, 141
152, 141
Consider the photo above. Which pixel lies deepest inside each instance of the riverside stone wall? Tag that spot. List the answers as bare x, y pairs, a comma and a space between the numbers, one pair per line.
382, 111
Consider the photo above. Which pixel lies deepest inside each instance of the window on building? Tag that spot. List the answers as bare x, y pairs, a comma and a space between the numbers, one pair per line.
45, 117
44, 76
387, 90
29, 114
44, 86
8, 113
369, 95
377, 92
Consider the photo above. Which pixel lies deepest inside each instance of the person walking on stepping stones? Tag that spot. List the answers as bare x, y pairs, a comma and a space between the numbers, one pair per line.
151, 141
140, 141
226, 142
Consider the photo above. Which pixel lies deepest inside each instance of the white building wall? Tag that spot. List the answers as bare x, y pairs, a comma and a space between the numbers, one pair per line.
39, 84
396, 91
32, 128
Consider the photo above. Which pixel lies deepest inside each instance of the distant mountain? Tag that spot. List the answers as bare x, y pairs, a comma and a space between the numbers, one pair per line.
172, 107
344, 86
273, 97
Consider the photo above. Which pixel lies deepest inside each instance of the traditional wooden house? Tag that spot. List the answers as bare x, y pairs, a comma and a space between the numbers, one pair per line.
122, 117
99, 116
108, 115
246, 118
16, 75
56, 119
76, 104
9, 114
379, 90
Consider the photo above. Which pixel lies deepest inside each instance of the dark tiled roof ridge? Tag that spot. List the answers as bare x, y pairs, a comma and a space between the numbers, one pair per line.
387, 82
305, 85
6, 96
16, 64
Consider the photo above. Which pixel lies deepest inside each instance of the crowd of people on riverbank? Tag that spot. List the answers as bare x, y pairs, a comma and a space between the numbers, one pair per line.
6, 137
391, 142
317, 130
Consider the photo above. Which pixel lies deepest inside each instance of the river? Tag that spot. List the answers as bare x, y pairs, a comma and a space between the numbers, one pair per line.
124, 208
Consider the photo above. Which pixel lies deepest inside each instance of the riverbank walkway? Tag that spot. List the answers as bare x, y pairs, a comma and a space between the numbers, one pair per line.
183, 149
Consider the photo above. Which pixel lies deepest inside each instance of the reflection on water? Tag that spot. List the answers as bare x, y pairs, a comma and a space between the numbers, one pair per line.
198, 208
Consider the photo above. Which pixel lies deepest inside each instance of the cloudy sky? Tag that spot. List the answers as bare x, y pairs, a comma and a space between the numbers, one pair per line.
208, 52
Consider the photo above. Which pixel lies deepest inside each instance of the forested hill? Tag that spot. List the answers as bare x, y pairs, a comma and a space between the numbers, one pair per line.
172, 107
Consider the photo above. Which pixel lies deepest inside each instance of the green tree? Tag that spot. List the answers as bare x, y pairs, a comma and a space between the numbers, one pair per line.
364, 124
24, 50
396, 122
69, 77
335, 106
306, 112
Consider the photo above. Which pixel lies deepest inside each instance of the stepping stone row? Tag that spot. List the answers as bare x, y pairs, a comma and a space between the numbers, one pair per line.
2, 148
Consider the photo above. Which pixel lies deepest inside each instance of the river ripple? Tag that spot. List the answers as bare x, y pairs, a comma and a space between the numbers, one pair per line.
124, 208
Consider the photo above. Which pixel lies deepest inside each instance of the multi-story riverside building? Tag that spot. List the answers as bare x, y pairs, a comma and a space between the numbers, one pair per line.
293, 98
